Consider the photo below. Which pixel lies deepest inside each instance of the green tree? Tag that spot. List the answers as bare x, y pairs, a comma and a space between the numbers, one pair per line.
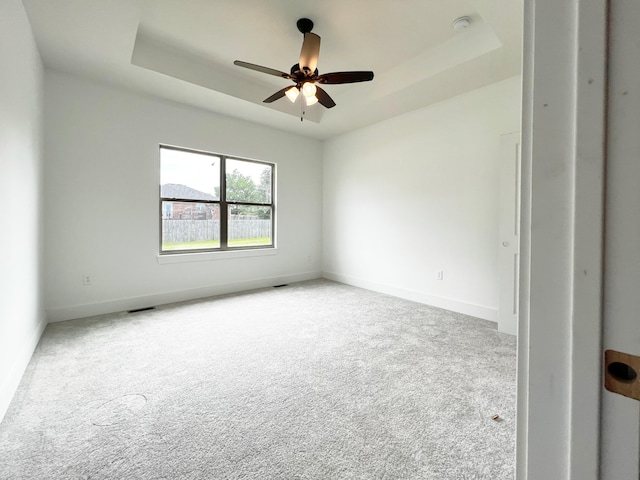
241, 188
264, 188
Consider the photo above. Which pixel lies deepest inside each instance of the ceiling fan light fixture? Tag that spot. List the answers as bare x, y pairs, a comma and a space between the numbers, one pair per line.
309, 90
304, 74
292, 93
312, 100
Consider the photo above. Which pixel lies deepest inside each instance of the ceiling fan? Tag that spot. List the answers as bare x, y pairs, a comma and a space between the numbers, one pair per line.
305, 74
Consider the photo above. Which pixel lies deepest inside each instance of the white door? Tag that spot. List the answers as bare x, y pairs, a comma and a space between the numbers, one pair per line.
509, 235
621, 415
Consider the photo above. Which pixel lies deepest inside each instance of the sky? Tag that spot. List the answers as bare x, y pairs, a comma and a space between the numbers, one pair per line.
203, 173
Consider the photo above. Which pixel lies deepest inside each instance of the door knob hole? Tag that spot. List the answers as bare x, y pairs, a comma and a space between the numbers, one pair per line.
622, 372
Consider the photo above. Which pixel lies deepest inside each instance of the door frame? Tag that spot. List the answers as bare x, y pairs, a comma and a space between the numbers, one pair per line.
562, 216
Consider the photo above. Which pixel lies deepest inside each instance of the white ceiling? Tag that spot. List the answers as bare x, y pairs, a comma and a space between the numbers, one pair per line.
183, 50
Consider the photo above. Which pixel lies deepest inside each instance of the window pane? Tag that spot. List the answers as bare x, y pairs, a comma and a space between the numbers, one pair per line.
189, 175
249, 226
248, 181
190, 225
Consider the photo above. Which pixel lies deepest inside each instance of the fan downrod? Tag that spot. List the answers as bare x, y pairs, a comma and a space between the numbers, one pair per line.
304, 25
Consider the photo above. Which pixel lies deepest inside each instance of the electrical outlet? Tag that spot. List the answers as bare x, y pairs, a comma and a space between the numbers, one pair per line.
86, 279
441, 275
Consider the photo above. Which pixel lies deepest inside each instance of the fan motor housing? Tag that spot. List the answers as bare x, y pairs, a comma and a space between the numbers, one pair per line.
304, 25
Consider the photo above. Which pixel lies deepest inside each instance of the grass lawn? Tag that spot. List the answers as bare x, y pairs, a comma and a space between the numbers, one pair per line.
239, 242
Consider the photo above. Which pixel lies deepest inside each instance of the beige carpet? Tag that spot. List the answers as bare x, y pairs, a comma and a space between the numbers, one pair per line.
316, 380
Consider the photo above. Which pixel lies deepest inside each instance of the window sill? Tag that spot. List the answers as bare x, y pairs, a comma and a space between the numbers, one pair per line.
210, 256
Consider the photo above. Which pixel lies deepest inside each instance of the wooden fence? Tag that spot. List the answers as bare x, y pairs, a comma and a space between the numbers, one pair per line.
179, 231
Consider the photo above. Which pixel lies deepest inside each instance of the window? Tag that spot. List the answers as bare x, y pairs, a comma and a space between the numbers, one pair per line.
211, 202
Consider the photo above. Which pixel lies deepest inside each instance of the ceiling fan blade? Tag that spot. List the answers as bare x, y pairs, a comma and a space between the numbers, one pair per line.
344, 77
310, 52
277, 95
259, 68
324, 99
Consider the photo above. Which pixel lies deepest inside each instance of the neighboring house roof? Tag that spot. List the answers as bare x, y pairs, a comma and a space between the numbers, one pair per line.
177, 190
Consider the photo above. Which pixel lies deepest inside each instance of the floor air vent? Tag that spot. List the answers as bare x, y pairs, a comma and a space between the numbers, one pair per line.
136, 310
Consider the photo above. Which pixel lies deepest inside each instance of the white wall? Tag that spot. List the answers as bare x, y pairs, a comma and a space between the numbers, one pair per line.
416, 194
21, 314
102, 213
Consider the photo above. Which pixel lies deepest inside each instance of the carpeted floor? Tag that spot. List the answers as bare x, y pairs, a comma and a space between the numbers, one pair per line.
316, 380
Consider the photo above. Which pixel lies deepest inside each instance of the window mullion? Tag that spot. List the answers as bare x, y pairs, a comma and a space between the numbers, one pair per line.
224, 209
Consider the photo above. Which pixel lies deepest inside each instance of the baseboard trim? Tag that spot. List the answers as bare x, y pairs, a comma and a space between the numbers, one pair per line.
10, 383
130, 303
474, 310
